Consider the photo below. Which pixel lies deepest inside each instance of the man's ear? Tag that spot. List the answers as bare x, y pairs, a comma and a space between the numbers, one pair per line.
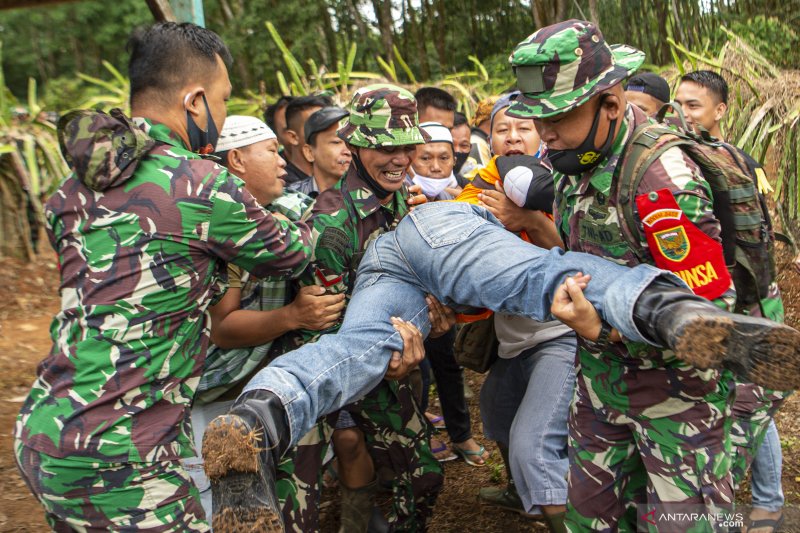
236, 162
193, 102
293, 137
720, 111
308, 153
613, 105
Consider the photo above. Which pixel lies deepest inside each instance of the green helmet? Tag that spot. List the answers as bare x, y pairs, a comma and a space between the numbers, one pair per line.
382, 115
560, 67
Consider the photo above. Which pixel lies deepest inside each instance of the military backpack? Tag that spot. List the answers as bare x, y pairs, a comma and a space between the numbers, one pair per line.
747, 236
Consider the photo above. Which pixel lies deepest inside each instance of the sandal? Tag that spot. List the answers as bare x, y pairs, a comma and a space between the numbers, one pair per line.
469, 455
774, 523
436, 421
441, 449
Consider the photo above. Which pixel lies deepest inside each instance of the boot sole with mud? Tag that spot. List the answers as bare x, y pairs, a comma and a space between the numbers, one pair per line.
758, 350
243, 500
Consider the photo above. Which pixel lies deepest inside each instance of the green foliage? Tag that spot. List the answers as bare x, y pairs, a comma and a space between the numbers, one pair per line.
763, 120
777, 41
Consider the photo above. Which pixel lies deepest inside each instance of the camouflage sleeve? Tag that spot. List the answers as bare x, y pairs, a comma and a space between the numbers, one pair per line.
675, 171
241, 232
333, 239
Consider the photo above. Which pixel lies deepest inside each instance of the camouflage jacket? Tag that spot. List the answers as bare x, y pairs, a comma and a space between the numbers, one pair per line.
344, 220
223, 369
589, 222
143, 239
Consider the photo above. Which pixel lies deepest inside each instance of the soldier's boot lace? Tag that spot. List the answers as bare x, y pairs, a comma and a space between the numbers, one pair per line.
241, 450
701, 334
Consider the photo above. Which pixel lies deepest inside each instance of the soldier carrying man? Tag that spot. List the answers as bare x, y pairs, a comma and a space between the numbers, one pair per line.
646, 426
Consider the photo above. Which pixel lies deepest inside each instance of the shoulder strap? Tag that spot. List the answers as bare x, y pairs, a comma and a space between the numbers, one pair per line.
647, 144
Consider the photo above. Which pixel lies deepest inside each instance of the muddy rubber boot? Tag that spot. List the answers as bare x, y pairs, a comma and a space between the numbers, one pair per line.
357, 506
703, 335
241, 450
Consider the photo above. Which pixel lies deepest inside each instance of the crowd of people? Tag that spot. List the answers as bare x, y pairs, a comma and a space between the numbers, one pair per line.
252, 307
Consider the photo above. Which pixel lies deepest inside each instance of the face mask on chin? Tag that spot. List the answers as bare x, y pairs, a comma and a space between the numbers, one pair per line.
433, 187
202, 142
585, 157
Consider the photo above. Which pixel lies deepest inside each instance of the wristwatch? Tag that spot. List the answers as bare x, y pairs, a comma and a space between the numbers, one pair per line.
603, 339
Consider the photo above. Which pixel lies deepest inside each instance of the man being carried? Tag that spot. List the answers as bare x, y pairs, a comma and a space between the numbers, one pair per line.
446, 249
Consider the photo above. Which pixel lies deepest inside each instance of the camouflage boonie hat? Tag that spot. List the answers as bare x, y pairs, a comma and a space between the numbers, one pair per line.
560, 67
382, 115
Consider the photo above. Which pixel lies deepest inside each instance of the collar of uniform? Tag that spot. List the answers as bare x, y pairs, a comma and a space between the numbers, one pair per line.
602, 176
364, 199
160, 132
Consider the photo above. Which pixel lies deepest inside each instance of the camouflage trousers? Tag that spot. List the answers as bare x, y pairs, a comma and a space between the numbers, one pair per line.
637, 441
752, 412
299, 477
398, 439
82, 495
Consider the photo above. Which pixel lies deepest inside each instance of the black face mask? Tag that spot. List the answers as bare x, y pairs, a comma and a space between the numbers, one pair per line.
585, 157
379, 191
461, 158
202, 142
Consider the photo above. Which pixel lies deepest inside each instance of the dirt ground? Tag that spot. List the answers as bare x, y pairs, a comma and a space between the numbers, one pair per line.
28, 300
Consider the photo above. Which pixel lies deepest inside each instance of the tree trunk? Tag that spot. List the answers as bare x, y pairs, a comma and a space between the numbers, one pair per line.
547, 12
417, 32
441, 28
330, 36
360, 24
593, 13
383, 12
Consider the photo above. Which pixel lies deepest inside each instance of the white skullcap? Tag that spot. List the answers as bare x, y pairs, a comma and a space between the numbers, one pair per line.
438, 132
240, 131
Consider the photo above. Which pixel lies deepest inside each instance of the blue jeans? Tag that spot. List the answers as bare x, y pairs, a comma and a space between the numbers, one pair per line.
461, 254
766, 471
525, 405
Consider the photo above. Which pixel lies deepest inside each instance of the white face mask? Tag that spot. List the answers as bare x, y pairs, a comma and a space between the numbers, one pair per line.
433, 187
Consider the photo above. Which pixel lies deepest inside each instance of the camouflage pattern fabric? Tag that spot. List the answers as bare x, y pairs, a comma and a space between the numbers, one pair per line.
81, 495
644, 427
299, 477
345, 220
752, 412
224, 369
382, 115
560, 67
141, 260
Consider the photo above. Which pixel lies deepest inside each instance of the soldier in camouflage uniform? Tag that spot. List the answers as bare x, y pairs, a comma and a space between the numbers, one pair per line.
446, 249
143, 228
645, 426
345, 219
256, 312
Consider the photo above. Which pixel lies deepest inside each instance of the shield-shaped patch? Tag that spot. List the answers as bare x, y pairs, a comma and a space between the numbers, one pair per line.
673, 243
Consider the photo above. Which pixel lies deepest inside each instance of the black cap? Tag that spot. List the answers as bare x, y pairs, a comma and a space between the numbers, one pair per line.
649, 83
321, 120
